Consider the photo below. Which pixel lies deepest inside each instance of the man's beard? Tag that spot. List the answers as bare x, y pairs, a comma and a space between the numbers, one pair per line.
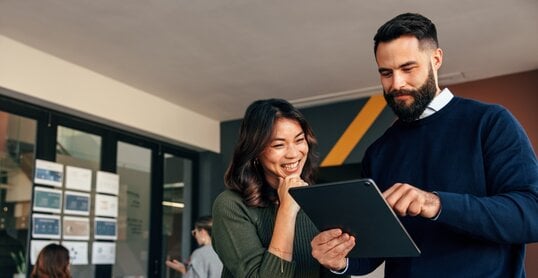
422, 97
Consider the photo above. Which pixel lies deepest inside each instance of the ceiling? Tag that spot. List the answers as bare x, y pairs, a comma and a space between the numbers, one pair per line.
214, 57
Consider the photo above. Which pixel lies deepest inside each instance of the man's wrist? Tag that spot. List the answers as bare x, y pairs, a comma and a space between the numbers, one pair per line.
438, 200
342, 270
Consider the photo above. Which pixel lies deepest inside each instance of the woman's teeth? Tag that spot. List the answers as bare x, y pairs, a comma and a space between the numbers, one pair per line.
291, 166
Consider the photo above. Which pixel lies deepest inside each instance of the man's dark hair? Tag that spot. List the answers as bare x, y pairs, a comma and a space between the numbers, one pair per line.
408, 24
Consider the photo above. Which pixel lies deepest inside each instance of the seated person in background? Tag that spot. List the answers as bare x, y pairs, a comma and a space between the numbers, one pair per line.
204, 262
52, 262
259, 230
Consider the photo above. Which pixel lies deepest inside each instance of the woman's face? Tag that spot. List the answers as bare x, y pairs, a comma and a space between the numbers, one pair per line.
286, 152
199, 235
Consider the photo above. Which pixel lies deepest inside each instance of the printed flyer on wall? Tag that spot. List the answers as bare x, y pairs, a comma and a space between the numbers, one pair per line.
106, 205
78, 178
47, 199
46, 226
77, 203
78, 252
76, 228
105, 228
103, 252
48, 173
107, 183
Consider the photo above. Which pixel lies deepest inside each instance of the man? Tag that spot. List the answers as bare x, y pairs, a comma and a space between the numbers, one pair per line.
461, 174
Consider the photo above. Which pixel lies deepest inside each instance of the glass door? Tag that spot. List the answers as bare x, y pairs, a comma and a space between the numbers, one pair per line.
17, 152
132, 245
75, 148
176, 220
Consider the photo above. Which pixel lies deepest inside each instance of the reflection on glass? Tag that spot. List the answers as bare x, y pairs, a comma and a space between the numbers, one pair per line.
83, 150
177, 177
134, 169
17, 141
82, 147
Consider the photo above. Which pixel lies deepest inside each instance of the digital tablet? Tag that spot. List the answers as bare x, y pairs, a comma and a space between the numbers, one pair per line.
358, 208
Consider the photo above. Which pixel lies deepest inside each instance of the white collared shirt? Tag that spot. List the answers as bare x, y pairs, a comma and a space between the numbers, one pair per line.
437, 103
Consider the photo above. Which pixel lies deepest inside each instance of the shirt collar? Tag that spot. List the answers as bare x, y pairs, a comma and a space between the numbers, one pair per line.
437, 103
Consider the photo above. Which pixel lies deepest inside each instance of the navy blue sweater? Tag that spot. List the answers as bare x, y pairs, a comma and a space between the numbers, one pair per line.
479, 160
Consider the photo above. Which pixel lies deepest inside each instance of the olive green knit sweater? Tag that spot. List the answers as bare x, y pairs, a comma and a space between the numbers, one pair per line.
242, 234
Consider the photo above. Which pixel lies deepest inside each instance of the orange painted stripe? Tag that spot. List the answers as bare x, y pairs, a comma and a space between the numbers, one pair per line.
355, 131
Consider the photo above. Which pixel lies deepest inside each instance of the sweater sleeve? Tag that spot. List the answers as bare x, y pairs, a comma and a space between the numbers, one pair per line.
237, 243
196, 266
358, 266
509, 212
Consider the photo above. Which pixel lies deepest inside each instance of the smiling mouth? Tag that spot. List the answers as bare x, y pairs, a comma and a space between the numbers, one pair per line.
291, 166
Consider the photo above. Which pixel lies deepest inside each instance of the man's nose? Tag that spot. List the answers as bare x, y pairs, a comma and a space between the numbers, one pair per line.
398, 81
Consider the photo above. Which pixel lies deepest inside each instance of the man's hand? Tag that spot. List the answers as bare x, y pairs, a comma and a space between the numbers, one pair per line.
331, 247
406, 199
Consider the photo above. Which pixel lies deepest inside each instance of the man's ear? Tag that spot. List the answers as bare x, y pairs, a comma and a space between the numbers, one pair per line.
437, 58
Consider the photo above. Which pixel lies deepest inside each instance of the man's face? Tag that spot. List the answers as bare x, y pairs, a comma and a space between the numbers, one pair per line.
407, 76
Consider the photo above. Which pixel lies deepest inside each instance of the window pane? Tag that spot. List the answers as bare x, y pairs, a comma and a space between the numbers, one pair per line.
80, 149
134, 169
17, 145
177, 182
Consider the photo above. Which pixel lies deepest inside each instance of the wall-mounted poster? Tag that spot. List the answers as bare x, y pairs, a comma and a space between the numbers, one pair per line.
78, 178
36, 246
105, 228
107, 183
103, 252
77, 228
48, 173
77, 203
46, 226
78, 252
47, 199
106, 205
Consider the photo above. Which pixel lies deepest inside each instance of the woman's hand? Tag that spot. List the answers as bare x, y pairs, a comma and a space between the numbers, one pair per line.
286, 201
284, 231
177, 266
330, 248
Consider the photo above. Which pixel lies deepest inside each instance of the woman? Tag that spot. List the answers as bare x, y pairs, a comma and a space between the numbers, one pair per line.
259, 230
204, 262
52, 262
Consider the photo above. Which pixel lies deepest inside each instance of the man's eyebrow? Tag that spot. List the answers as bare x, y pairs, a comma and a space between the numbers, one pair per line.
410, 63
406, 64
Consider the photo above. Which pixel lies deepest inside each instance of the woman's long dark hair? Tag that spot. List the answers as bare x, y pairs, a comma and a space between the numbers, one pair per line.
245, 174
52, 262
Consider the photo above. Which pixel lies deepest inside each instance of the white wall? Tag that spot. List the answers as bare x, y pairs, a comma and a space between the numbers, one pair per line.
36, 75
